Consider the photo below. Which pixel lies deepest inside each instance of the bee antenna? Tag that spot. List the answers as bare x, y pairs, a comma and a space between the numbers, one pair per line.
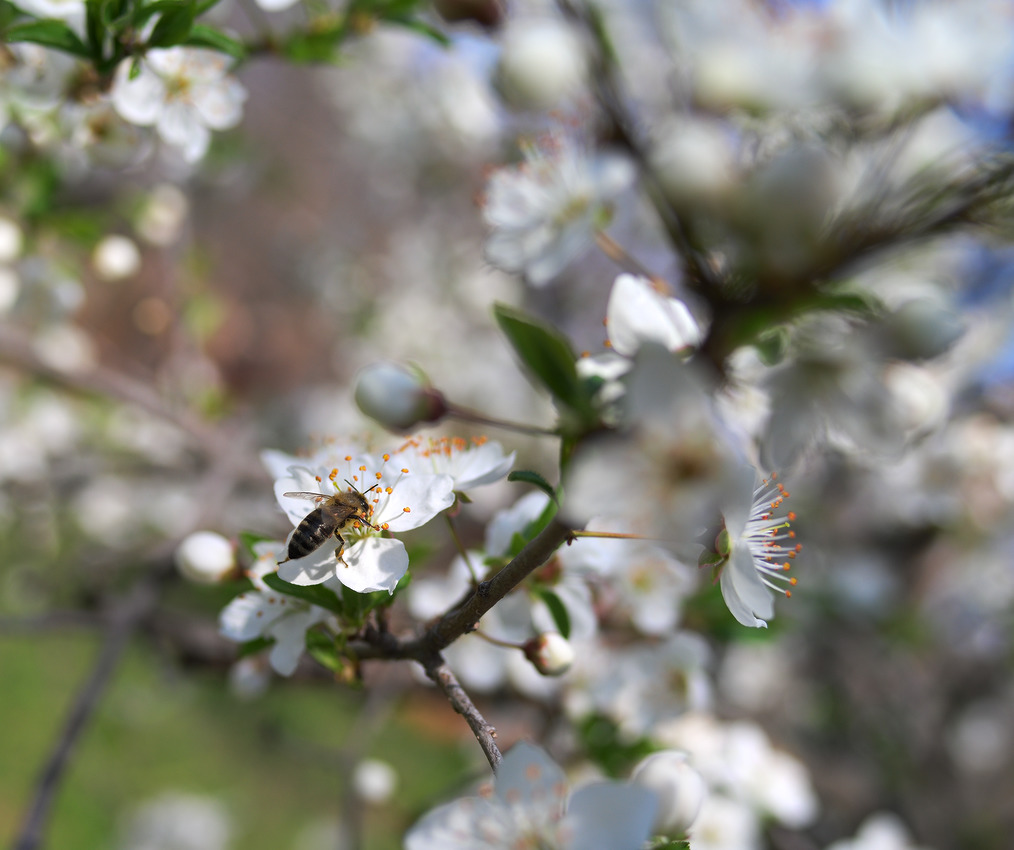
374, 487
353, 486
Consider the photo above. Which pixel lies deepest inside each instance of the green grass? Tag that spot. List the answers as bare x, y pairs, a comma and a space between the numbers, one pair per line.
161, 729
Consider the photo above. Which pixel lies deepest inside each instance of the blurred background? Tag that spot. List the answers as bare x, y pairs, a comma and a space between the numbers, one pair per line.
340, 224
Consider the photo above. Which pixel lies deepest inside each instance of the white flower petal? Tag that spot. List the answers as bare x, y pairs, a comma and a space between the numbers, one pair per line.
375, 563
415, 501
289, 633
748, 598
140, 100
247, 616
637, 313
611, 814
315, 568
529, 777
220, 106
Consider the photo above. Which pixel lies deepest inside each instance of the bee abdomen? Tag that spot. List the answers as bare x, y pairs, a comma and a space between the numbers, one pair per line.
309, 535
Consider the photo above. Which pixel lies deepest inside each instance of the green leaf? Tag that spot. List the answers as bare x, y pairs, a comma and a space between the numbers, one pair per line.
356, 605
94, 28
324, 650
529, 476
202, 35
252, 647
173, 26
611, 750
557, 609
315, 594
247, 539
421, 27
49, 33
8, 13
547, 354
317, 46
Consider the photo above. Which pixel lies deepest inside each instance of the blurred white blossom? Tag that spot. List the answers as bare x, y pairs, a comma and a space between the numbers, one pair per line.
543, 213
183, 92
529, 807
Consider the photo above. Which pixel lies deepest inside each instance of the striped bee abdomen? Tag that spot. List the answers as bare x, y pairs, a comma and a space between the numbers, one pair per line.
316, 527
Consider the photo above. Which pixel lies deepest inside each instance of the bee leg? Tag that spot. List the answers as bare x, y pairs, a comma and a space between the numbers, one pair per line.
341, 547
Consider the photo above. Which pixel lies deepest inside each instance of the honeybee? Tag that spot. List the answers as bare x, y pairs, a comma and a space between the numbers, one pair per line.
330, 516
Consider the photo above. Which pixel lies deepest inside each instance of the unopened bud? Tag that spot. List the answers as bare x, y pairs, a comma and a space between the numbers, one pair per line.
681, 790
250, 677
116, 257
541, 64
375, 781
205, 557
550, 653
11, 240
397, 397
922, 328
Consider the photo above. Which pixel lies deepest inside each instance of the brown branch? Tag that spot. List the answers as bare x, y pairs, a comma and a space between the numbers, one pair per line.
16, 349
610, 99
125, 619
437, 669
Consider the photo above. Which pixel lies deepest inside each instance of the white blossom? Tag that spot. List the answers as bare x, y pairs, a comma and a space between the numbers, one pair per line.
401, 499
470, 463
183, 92
529, 808
758, 545
544, 213
681, 790
881, 831
263, 612
638, 313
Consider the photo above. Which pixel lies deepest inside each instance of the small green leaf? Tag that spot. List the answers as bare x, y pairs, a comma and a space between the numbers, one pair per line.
252, 647
529, 476
421, 27
356, 605
557, 609
315, 594
247, 539
173, 26
547, 354
318, 46
324, 650
49, 33
202, 35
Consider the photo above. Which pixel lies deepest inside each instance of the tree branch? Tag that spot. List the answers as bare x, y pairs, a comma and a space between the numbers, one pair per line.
437, 669
126, 618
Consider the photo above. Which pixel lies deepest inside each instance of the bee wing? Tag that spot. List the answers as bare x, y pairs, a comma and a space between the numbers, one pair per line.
317, 497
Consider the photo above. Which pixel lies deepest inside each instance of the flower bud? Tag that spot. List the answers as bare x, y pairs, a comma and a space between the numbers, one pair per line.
116, 257
922, 328
681, 790
397, 397
551, 653
375, 781
541, 64
250, 677
205, 557
11, 240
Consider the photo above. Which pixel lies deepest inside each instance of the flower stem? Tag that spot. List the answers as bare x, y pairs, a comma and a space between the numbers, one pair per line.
461, 548
618, 254
468, 415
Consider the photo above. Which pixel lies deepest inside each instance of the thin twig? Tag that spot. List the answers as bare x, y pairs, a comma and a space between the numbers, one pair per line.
126, 618
466, 414
485, 734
